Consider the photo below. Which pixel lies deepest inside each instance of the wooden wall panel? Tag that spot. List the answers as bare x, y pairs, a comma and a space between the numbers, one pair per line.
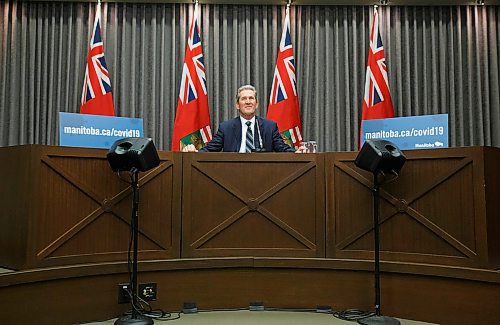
492, 200
16, 173
253, 205
433, 213
65, 206
437, 294
80, 210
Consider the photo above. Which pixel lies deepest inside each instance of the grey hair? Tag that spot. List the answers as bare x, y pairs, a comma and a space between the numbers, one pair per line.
246, 87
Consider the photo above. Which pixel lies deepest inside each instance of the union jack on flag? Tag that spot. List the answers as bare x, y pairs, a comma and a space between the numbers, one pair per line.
283, 102
192, 120
97, 97
377, 102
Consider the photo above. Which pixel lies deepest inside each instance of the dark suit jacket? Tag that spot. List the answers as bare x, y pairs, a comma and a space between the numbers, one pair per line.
228, 137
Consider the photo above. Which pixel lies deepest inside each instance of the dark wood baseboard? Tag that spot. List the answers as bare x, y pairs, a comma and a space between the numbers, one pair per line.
65, 295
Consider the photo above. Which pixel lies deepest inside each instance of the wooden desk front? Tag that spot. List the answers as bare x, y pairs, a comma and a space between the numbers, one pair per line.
65, 206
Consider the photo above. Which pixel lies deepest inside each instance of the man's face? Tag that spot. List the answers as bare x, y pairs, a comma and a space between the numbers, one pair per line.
247, 104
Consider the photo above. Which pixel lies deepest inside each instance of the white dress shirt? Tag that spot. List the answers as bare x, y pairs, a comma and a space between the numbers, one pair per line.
244, 128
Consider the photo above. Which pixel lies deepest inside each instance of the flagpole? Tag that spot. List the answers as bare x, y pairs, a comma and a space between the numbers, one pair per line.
287, 12
283, 107
192, 118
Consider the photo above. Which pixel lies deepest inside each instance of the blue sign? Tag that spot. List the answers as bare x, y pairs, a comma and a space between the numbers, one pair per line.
96, 131
413, 132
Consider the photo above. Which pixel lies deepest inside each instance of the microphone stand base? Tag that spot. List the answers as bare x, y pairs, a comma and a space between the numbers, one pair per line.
379, 320
138, 320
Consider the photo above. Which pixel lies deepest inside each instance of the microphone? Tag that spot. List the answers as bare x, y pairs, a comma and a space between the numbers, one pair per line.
261, 149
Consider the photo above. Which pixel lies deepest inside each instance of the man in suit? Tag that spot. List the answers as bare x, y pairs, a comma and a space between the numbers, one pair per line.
247, 132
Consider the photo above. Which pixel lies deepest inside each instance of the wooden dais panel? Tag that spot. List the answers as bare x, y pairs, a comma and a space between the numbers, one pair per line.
253, 205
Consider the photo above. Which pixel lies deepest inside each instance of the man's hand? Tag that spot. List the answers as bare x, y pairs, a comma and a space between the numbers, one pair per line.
189, 148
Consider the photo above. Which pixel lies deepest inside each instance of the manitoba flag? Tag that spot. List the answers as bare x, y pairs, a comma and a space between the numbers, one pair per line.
192, 120
377, 103
283, 102
97, 98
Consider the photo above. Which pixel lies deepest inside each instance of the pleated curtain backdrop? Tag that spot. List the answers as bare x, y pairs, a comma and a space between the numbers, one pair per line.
441, 59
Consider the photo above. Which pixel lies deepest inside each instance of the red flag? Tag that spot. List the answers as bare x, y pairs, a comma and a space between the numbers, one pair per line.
192, 120
283, 103
97, 97
377, 103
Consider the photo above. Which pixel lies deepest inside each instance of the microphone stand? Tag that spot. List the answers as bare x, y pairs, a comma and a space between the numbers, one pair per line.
377, 318
135, 318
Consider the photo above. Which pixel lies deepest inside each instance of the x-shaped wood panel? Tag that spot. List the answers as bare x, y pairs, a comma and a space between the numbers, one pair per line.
253, 204
402, 205
104, 204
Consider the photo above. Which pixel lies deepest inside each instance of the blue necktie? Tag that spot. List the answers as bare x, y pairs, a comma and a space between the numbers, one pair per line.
249, 141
